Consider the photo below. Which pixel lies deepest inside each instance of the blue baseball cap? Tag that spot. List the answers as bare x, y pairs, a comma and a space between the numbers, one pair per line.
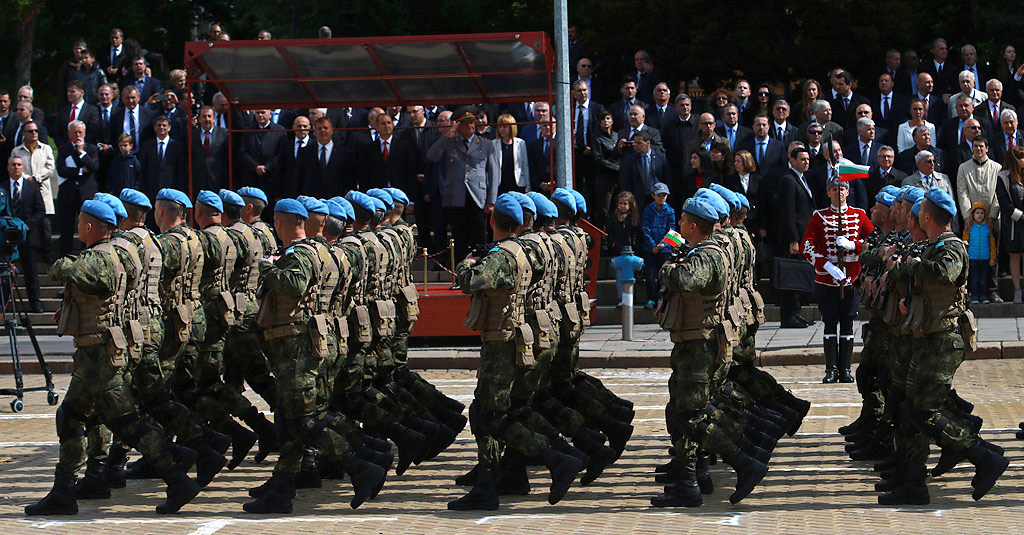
255, 193
230, 198
291, 206
659, 187
701, 208
545, 208
135, 197
743, 200
940, 198
313, 205
727, 194
566, 199
169, 194
508, 205
525, 201
885, 198
383, 196
114, 203
100, 210
350, 214
581, 203
210, 199
917, 207
362, 200
912, 194
398, 195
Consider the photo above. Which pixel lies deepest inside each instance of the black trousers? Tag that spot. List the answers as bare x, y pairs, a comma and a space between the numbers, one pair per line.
468, 228
26, 257
67, 223
838, 307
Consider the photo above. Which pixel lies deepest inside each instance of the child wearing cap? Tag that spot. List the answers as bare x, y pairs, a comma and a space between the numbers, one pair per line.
657, 220
981, 252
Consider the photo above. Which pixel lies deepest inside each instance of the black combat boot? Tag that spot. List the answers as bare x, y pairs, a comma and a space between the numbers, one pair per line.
367, 479
592, 443
208, 464
563, 468
857, 425
950, 458
988, 466
469, 478
309, 472
116, 460
265, 429
845, 358
450, 404
60, 500
429, 430
455, 420
704, 474
683, 493
379, 458
561, 446
831, 346
378, 444
512, 477
184, 456
618, 434
140, 469
910, 489
620, 412
93, 486
180, 490
216, 440
242, 441
749, 472
409, 443
762, 440
757, 453
274, 496
483, 496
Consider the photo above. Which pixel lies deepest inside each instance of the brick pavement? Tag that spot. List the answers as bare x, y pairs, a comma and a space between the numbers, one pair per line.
811, 488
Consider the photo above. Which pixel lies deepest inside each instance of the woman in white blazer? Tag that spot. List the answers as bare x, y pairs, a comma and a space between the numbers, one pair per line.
511, 154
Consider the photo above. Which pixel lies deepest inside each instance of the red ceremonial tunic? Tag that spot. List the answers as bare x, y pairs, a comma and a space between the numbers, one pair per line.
819, 242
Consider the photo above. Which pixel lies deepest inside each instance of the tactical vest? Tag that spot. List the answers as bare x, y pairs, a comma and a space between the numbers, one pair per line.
937, 307
897, 290
407, 297
216, 280
562, 285
501, 315
134, 310
340, 301
282, 314
379, 302
733, 309
749, 286
359, 314
153, 262
578, 241
539, 295
692, 315
266, 236
95, 320
179, 293
246, 277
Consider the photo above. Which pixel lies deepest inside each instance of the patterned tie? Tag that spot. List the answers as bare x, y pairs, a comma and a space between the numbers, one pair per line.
846, 102
161, 151
1009, 141
16, 195
206, 142
780, 134
864, 153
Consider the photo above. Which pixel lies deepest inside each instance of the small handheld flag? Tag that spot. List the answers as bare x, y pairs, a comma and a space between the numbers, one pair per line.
672, 239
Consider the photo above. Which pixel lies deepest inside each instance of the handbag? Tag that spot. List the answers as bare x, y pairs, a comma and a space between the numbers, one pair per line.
793, 275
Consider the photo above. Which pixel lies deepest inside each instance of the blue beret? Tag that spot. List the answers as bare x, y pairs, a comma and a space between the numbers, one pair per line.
912, 194
362, 200
743, 200
917, 207
210, 199
100, 210
701, 208
727, 194
291, 206
715, 200
313, 205
379, 205
940, 198
168, 194
508, 205
566, 199
581, 203
525, 201
230, 198
135, 197
398, 195
885, 198
545, 208
114, 203
350, 214
255, 193
383, 196
891, 190
336, 209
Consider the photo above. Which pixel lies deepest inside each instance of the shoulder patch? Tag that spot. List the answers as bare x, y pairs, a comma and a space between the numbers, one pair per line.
289, 251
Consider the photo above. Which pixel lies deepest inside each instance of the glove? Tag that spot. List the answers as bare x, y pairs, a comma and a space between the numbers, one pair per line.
837, 274
846, 243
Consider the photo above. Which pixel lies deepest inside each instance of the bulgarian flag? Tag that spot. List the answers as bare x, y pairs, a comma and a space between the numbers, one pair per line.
673, 239
851, 171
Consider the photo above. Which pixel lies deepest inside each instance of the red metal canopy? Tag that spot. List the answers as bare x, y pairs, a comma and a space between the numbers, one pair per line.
376, 71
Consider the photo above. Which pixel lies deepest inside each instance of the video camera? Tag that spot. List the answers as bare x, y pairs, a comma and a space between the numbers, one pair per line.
13, 233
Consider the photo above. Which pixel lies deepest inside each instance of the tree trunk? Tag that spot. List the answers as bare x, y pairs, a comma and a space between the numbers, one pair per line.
23, 60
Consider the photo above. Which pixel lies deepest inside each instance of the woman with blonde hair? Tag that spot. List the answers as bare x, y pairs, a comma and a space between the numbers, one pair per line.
810, 91
511, 154
1010, 193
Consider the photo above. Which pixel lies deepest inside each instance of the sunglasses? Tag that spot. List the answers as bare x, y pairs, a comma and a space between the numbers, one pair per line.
763, 94
30, 131
816, 132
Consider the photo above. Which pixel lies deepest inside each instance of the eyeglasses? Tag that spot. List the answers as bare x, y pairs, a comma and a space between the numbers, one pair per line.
816, 132
707, 122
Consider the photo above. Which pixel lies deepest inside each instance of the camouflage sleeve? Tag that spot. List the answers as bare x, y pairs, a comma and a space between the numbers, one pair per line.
356, 260
91, 272
290, 275
945, 266
495, 271
242, 246
693, 273
211, 251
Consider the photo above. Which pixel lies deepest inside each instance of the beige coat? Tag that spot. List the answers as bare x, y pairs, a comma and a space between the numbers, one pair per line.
977, 183
41, 166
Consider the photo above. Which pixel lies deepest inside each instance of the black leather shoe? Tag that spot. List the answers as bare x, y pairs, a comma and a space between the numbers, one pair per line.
804, 320
37, 307
793, 323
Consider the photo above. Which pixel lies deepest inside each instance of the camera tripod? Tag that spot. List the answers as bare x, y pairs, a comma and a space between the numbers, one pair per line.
11, 301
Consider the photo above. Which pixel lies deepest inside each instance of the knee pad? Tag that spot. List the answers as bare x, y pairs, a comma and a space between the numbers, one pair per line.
70, 424
129, 427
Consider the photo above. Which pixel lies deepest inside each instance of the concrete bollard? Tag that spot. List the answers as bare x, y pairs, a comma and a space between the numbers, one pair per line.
627, 311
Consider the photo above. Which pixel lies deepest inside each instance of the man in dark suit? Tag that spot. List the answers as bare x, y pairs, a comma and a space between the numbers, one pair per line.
889, 109
529, 112
162, 161
147, 85
864, 111
585, 73
285, 118
637, 115
26, 203
863, 151
883, 173
768, 153
260, 154
935, 109
943, 72
731, 130
906, 78
780, 128
132, 118
969, 55
77, 164
105, 96
77, 109
620, 109
1008, 136
585, 120
846, 101
420, 135
922, 141
324, 167
540, 155
647, 77
955, 134
661, 112
113, 58
389, 161
795, 205
640, 170
680, 135
297, 140
892, 65
209, 153
989, 111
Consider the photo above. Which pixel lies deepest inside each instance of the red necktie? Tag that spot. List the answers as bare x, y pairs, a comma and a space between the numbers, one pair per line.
73, 108
995, 114
206, 142
1010, 141
385, 152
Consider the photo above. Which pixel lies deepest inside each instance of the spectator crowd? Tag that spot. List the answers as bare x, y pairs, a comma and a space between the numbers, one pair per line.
945, 119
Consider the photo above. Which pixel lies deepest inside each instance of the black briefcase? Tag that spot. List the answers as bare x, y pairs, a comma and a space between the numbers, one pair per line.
793, 275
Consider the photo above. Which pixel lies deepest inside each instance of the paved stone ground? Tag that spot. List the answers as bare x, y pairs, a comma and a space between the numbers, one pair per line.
811, 488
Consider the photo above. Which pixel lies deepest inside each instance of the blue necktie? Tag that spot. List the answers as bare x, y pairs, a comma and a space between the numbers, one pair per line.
732, 138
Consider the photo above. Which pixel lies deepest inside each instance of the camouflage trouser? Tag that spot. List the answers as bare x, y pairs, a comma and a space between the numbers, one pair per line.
694, 368
872, 371
746, 351
492, 424
400, 340
565, 420
97, 387
935, 359
244, 361
567, 355
307, 425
